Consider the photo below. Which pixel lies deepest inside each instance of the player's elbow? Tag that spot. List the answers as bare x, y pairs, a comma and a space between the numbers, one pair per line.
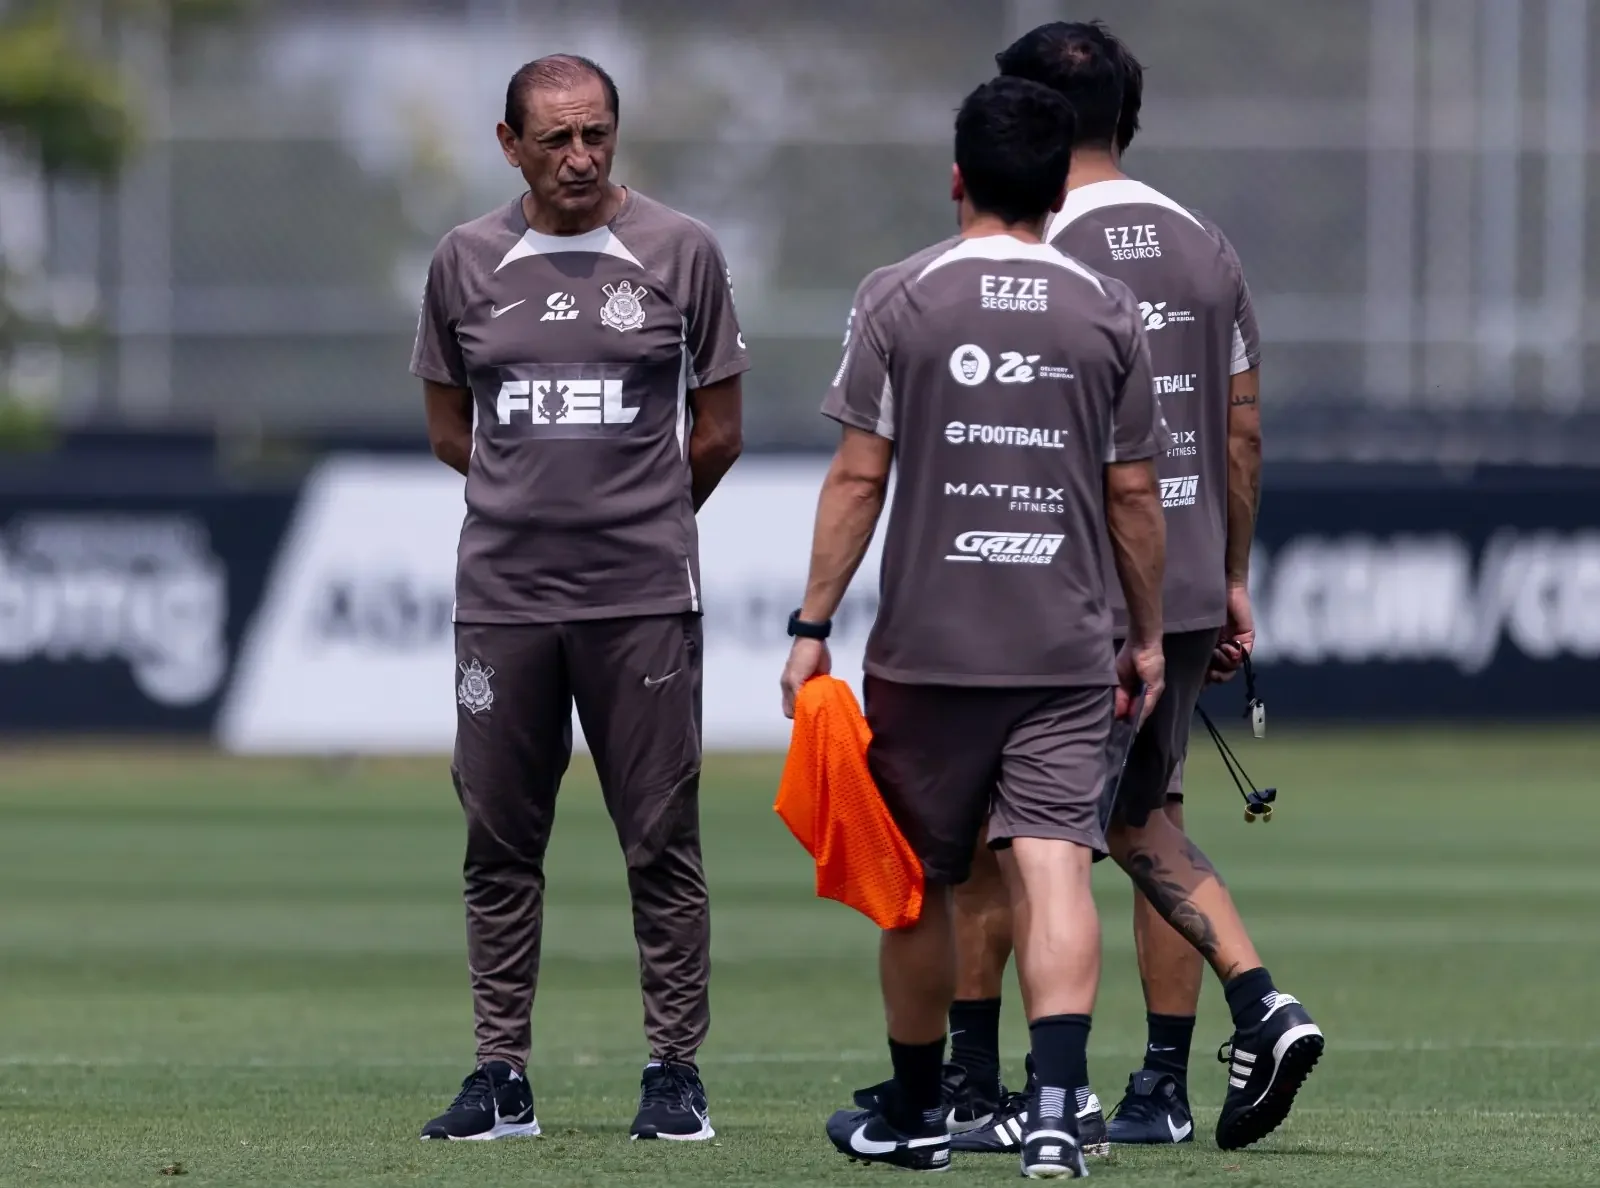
1244, 440
718, 444
1132, 486
446, 447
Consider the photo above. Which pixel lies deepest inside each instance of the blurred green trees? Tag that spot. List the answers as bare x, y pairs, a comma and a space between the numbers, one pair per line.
67, 111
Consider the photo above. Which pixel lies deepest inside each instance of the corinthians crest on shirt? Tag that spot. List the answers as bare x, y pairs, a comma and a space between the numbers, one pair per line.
474, 692
624, 307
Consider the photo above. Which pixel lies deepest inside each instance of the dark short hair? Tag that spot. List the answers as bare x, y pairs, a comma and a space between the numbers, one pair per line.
1013, 146
1091, 68
555, 72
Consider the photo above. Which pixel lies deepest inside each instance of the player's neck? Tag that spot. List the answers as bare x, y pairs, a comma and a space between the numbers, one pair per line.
975, 224
551, 222
1092, 165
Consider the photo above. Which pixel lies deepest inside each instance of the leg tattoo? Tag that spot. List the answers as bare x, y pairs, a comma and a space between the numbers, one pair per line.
1172, 899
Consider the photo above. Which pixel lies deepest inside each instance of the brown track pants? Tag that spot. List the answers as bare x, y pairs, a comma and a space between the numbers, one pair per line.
636, 683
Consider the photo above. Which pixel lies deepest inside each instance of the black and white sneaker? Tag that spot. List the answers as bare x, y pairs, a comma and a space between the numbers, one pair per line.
1050, 1151
495, 1102
1266, 1067
1011, 1124
969, 1104
1153, 1111
672, 1104
868, 1136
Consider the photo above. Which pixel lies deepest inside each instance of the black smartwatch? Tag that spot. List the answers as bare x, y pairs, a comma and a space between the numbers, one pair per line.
800, 629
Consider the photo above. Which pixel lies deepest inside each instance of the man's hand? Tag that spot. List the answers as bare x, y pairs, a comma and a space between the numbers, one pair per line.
1238, 637
808, 658
1137, 666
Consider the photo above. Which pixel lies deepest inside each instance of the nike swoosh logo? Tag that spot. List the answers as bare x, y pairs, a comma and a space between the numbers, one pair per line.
862, 1145
495, 313
1179, 1133
651, 684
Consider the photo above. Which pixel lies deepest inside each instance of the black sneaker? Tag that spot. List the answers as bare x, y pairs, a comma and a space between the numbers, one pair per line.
868, 1136
969, 1104
1153, 1111
1050, 1151
1266, 1067
495, 1102
1011, 1123
672, 1104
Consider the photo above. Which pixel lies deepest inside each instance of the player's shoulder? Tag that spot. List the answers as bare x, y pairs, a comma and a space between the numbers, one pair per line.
985, 254
1219, 237
890, 283
496, 230
1100, 204
651, 222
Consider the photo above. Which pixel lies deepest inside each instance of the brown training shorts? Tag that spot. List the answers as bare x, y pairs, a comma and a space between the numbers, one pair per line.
1030, 762
1155, 761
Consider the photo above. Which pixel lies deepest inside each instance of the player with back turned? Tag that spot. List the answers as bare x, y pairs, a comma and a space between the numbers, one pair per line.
990, 364
1205, 352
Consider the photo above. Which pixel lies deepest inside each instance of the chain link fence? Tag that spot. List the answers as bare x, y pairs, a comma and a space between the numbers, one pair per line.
1407, 182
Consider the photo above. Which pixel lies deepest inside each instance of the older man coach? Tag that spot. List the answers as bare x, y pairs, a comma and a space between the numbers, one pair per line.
581, 364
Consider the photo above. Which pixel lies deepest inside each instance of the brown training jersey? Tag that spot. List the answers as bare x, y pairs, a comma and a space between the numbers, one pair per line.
1007, 375
579, 351
1202, 331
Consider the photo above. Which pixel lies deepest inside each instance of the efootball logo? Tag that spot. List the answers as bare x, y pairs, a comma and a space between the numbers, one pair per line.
1007, 548
1180, 492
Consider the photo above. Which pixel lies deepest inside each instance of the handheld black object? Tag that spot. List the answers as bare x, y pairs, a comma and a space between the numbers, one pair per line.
1119, 745
1257, 802
800, 629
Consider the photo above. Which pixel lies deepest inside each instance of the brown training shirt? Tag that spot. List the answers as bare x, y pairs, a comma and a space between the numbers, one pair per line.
1202, 331
1007, 375
579, 351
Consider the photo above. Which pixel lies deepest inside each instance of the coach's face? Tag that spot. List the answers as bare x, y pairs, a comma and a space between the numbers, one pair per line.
564, 153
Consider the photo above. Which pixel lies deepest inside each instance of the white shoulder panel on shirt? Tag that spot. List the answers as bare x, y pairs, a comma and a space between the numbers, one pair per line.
1099, 195
1005, 247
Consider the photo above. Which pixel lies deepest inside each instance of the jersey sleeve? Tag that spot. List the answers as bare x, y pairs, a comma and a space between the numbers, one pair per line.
1246, 335
436, 355
861, 395
716, 345
1135, 414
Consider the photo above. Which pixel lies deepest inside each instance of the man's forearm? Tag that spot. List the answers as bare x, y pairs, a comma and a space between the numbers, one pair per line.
455, 451
847, 513
710, 457
1244, 474
1244, 500
1138, 531
449, 417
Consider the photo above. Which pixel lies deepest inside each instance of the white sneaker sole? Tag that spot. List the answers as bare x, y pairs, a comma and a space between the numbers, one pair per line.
1052, 1171
500, 1130
699, 1136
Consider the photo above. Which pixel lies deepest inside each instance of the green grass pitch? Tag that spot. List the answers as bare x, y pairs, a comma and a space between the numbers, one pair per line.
255, 971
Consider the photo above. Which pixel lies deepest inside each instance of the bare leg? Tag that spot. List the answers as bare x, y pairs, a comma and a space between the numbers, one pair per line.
1057, 926
983, 928
1185, 889
918, 971
1169, 966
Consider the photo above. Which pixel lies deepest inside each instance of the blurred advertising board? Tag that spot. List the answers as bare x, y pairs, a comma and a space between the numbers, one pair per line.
1404, 598
319, 621
121, 611
353, 650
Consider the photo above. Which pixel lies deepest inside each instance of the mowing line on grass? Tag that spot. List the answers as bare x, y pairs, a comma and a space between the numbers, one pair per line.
584, 1060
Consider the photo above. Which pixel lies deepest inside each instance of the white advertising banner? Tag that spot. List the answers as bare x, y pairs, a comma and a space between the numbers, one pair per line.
352, 649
